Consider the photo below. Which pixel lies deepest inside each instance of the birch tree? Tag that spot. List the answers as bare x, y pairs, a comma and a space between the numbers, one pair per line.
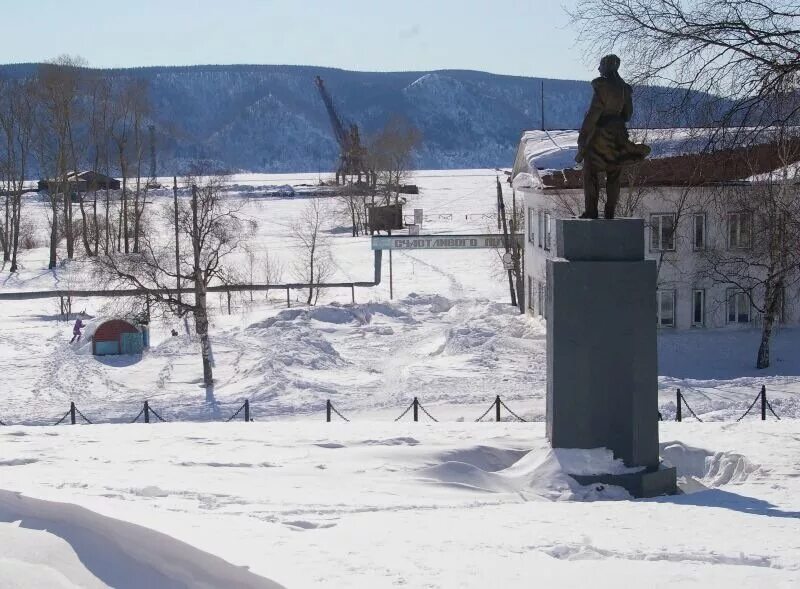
210, 230
313, 262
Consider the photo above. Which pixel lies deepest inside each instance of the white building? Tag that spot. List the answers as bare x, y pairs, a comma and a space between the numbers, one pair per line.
687, 232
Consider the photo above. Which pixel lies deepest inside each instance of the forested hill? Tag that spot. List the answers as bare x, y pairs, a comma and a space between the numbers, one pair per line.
271, 118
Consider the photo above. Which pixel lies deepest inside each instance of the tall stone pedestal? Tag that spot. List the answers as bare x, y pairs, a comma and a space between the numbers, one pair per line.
602, 379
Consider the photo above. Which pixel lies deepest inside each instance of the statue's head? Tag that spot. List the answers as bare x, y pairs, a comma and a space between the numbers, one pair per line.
609, 66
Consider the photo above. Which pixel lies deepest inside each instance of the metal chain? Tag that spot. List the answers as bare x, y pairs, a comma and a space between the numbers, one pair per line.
511, 412
336, 411
753, 404
769, 406
690, 409
425, 411
156, 414
135, 419
86, 419
487, 411
238, 411
403, 414
62, 419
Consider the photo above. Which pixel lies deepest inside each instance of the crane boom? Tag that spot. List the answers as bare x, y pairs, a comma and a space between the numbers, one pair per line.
336, 121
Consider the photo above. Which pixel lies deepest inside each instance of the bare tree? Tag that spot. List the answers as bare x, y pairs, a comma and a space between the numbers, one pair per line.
741, 50
759, 254
353, 200
140, 110
512, 223
59, 85
271, 270
313, 263
210, 230
392, 155
99, 121
129, 103
17, 122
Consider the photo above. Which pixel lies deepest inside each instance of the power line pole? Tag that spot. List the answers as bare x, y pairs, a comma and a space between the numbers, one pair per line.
542, 102
152, 130
177, 240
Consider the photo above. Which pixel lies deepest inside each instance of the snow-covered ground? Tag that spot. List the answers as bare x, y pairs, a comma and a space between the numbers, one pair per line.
378, 504
374, 503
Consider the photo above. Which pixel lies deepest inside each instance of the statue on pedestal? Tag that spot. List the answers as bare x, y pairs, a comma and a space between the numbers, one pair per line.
603, 142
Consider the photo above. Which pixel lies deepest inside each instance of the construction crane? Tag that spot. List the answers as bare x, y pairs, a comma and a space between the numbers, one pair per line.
352, 155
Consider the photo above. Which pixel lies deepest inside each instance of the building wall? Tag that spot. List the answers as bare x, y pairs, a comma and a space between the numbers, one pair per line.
682, 270
108, 337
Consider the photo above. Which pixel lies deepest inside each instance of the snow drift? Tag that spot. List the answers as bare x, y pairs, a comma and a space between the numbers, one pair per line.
542, 474
120, 554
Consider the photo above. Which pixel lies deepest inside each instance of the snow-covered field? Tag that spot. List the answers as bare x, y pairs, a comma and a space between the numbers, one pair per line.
374, 503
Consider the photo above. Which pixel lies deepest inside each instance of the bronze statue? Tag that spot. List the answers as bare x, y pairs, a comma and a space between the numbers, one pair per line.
603, 143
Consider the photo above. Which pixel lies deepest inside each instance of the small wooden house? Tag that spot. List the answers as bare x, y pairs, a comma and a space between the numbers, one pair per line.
86, 181
119, 336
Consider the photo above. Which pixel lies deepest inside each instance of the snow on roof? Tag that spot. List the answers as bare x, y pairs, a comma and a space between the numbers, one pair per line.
543, 155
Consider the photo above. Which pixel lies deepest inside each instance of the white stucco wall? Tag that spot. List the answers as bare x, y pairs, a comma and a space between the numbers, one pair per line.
682, 270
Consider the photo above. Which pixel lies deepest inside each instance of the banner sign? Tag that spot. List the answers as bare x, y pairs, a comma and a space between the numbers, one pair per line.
442, 242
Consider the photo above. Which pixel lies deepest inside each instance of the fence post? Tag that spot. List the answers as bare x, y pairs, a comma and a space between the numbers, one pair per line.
416, 409
72, 412
328, 410
229, 301
763, 402
288, 301
679, 414
353, 293
146, 412
497, 408
247, 410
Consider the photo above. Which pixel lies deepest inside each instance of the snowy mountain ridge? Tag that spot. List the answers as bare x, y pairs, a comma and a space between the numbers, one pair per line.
271, 118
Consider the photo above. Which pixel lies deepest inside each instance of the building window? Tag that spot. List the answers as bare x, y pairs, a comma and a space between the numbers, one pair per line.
699, 231
531, 225
530, 289
738, 306
662, 232
740, 227
666, 308
547, 231
698, 308
541, 227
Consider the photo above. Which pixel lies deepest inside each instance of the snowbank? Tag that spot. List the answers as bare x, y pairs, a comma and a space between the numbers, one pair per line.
34, 558
539, 474
120, 554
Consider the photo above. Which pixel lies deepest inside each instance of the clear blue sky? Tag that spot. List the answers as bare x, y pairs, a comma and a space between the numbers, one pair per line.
520, 37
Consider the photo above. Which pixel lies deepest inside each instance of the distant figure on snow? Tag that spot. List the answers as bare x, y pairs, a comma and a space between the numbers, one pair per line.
76, 330
174, 333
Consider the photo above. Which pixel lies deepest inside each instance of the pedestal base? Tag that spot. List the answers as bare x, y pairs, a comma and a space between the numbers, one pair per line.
655, 483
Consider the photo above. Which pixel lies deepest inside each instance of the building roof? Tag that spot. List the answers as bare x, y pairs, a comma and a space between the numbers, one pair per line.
679, 157
89, 175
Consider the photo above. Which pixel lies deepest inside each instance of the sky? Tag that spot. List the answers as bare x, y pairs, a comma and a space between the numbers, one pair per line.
517, 37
